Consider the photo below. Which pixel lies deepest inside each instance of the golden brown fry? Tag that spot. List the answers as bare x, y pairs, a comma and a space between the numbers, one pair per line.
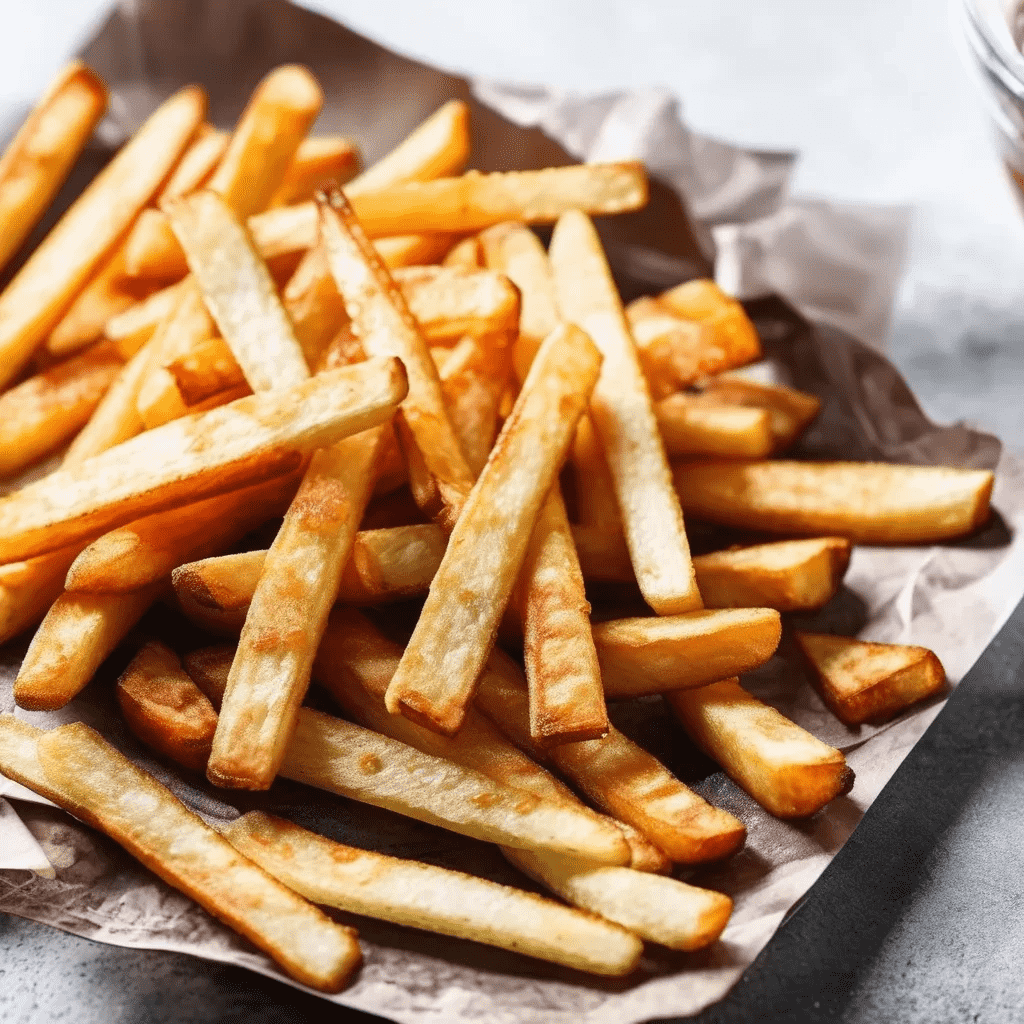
617, 775
690, 426
131, 329
465, 255
672, 652
410, 250
163, 707
450, 644
197, 163
317, 161
19, 760
159, 401
45, 148
27, 589
869, 682
866, 502
791, 773
110, 793
790, 575
790, 411
597, 506
251, 439
34, 301
423, 896
148, 549
40, 414
624, 420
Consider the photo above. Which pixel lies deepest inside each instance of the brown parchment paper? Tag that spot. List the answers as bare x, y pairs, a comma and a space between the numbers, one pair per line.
837, 267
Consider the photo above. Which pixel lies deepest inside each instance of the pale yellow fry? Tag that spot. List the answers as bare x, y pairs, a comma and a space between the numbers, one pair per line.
239, 291
288, 613
318, 160
40, 156
690, 426
450, 644
110, 793
159, 400
624, 419
131, 329
791, 773
19, 760
658, 909
411, 250
672, 652
346, 759
34, 301
629, 783
197, 163
789, 575
315, 308
597, 505
148, 549
40, 414
866, 502
436, 899
465, 255
198, 456
27, 589
72, 641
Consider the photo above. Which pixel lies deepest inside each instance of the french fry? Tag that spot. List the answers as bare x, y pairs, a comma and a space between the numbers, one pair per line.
148, 549
465, 255
130, 330
423, 896
789, 575
318, 160
790, 411
791, 773
159, 401
164, 708
77, 634
603, 554
690, 426
617, 775
866, 502
624, 420
110, 793
40, 414
19, 760
40, 156
410, 250
869, 682
655, 655
27, 589
33, 303
197, 163
450, 644
197, 457
598, 507
315, 308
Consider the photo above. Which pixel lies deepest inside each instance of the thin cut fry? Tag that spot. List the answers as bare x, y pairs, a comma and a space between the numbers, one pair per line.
597, 506
131, 329
450, 644
318, 160
27, 589
866, 502
45, 148
790, 411
624, 419
197, 164
791, 773
690, 426
41, 291
423, 896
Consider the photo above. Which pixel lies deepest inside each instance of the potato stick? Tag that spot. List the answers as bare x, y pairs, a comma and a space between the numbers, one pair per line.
34, 301
869, 682
866, 502
163, 707
465, 255
77, 634
109, 792
595, 490
450, 644
789, 772
27, 589
789, 575
197, 163
318, 160
198, 456
19, 760
239, 291
691, 427
210, 367
661, 910
346, 759
148, 549
654, 655
40, 414
617, 775
436, 899
40, 156
288, 613
410, 250
159, 401
790, 411
315, 308
603, 555
624, 421
386, 327
131, 329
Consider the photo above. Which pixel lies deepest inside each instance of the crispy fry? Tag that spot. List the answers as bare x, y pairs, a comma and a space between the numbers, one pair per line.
869, 682
595, 489
791, 773
690, 426
19, 760
399, 251
450, 644
603, 554
654, 655
251, 439
624, 420
131, 329
465, 255
315, 308
110, 793
45, 148
617, 775
868, 503
790, 411
318, 160
41, 291
159, 401
197, 163
40, 414
423, 896
790, 575
27, 589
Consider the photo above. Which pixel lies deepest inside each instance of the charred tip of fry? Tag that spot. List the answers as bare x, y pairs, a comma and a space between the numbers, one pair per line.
847, 777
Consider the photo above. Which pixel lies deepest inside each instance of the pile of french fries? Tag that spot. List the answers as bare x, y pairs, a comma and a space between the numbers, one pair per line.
226, 331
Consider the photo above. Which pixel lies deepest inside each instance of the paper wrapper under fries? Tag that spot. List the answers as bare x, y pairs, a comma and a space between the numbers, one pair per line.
837, 267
